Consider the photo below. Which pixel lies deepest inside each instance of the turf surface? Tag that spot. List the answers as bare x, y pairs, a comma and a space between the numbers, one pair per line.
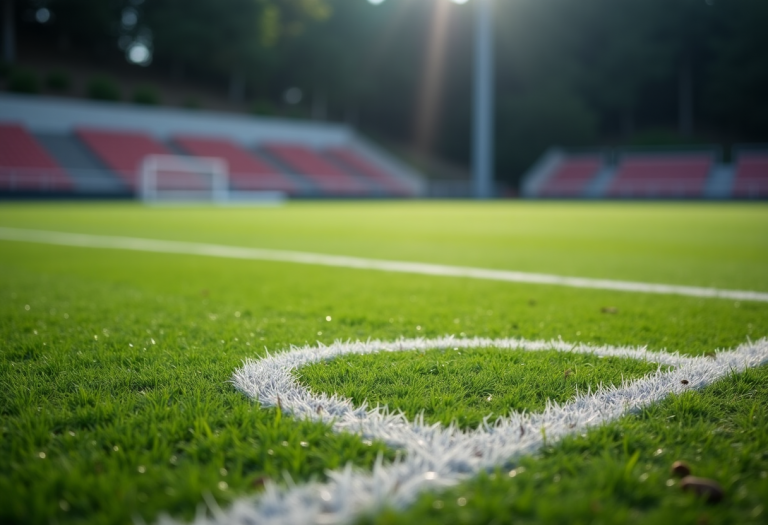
721, 245
621, 472
466, 386
134, 351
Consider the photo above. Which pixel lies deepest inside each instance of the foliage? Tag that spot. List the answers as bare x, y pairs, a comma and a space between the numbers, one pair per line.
103, 88
228, 36
23, 80
263, 107
568, 73
88, 23
537, 120
58, 80
146, 95
613, 67
738, 79
663, 137
191, 103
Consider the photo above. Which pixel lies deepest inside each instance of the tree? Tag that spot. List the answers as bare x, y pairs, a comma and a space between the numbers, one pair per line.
567, 72
231, 37
738, 76
91, 25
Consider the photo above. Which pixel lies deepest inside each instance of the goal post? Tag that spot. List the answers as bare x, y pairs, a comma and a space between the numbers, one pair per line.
176, 178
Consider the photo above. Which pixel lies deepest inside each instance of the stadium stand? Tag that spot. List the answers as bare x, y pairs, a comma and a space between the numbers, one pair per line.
246, 170
25, 165
751, 175
89, 175
327, 177
661, 175
353, 162
100, 146
571, 176
122, 151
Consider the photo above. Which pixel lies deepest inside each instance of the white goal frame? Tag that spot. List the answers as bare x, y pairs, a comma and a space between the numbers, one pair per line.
214, 168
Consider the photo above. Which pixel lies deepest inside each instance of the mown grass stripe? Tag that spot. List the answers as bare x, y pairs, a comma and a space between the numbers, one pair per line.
237, 252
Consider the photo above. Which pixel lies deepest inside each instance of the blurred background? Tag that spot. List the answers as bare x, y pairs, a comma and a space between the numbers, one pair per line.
591, 80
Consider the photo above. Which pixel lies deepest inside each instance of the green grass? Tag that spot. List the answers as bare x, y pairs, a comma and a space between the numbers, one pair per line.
468, 385
620, 473
126, 395
67, 364
722, 245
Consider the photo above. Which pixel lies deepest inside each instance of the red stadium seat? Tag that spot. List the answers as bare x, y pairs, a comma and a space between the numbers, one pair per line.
328, 177
751, 180
124, 152
356, 163
246, 170
25, 165
572, 176
665, 175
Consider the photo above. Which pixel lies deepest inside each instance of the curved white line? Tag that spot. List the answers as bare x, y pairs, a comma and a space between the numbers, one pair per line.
339, 261
436, 456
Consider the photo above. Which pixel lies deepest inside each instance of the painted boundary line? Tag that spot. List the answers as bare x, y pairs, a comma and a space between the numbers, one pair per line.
236, 252
434, 456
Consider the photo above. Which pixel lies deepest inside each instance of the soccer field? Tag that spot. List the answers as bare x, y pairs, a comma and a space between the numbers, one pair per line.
125, 396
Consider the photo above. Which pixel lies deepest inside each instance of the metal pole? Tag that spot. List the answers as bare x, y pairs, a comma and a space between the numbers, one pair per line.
9, 38
482, 133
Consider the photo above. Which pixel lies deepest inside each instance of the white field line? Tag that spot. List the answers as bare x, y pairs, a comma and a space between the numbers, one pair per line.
435, 456
340, 261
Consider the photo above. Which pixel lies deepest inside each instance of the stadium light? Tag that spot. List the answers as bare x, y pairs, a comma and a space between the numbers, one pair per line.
483, 100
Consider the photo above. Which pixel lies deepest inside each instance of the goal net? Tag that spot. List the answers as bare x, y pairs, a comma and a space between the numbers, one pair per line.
175, 178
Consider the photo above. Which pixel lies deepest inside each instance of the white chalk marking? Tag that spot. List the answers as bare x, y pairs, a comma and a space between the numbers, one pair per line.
435, 456
341, 261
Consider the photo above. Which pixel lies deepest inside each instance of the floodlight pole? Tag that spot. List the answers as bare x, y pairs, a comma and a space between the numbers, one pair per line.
9, 35
483, 132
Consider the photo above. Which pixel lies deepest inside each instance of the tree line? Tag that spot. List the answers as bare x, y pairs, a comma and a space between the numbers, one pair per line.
572, 73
